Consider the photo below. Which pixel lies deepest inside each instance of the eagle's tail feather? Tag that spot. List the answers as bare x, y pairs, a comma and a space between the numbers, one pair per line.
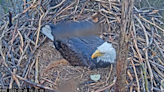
46, 30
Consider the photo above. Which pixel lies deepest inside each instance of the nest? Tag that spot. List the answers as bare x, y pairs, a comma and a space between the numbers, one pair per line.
29, 60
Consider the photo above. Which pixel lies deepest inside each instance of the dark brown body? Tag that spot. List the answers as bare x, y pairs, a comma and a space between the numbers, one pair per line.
78, 49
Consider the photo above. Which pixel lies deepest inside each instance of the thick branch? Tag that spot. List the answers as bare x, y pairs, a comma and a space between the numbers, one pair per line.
125, 28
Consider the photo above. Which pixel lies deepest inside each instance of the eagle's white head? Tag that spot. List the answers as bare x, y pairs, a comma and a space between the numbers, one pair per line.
105, 53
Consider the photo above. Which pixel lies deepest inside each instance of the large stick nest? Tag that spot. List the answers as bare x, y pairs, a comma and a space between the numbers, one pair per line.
29, 60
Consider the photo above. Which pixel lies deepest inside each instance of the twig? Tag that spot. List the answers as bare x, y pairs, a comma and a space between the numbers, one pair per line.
136, 47
151, 40
66, 8
162, 85
19, 61
13, 76
160, 66
29, 70
138, 88
36, 70
35, 84
146, 51
158, 71
1, 81
29, 40
111, 67
130, 75
82, 8
16, 80
38, 30
29, 60
20, 38
49, 81
157, 89
74, 12
151, 23
147, 39
32, 6
160, 50
101, 1
160, 61
51, 8
100, 90
3, 33
145, 77
10, 52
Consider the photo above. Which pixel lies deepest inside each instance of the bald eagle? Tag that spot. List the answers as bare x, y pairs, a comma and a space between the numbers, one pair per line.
82, 50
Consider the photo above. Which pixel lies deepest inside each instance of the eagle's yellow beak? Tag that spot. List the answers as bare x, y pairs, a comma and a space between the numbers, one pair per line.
96, 54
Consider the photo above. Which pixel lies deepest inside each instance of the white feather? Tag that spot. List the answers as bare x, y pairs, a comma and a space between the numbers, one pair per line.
47, 31
109, 53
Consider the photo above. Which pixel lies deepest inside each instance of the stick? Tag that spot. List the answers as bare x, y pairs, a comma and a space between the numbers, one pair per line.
145, 77
38, 30
100, 90
138, 88
35, 84
151, 23
36, 70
